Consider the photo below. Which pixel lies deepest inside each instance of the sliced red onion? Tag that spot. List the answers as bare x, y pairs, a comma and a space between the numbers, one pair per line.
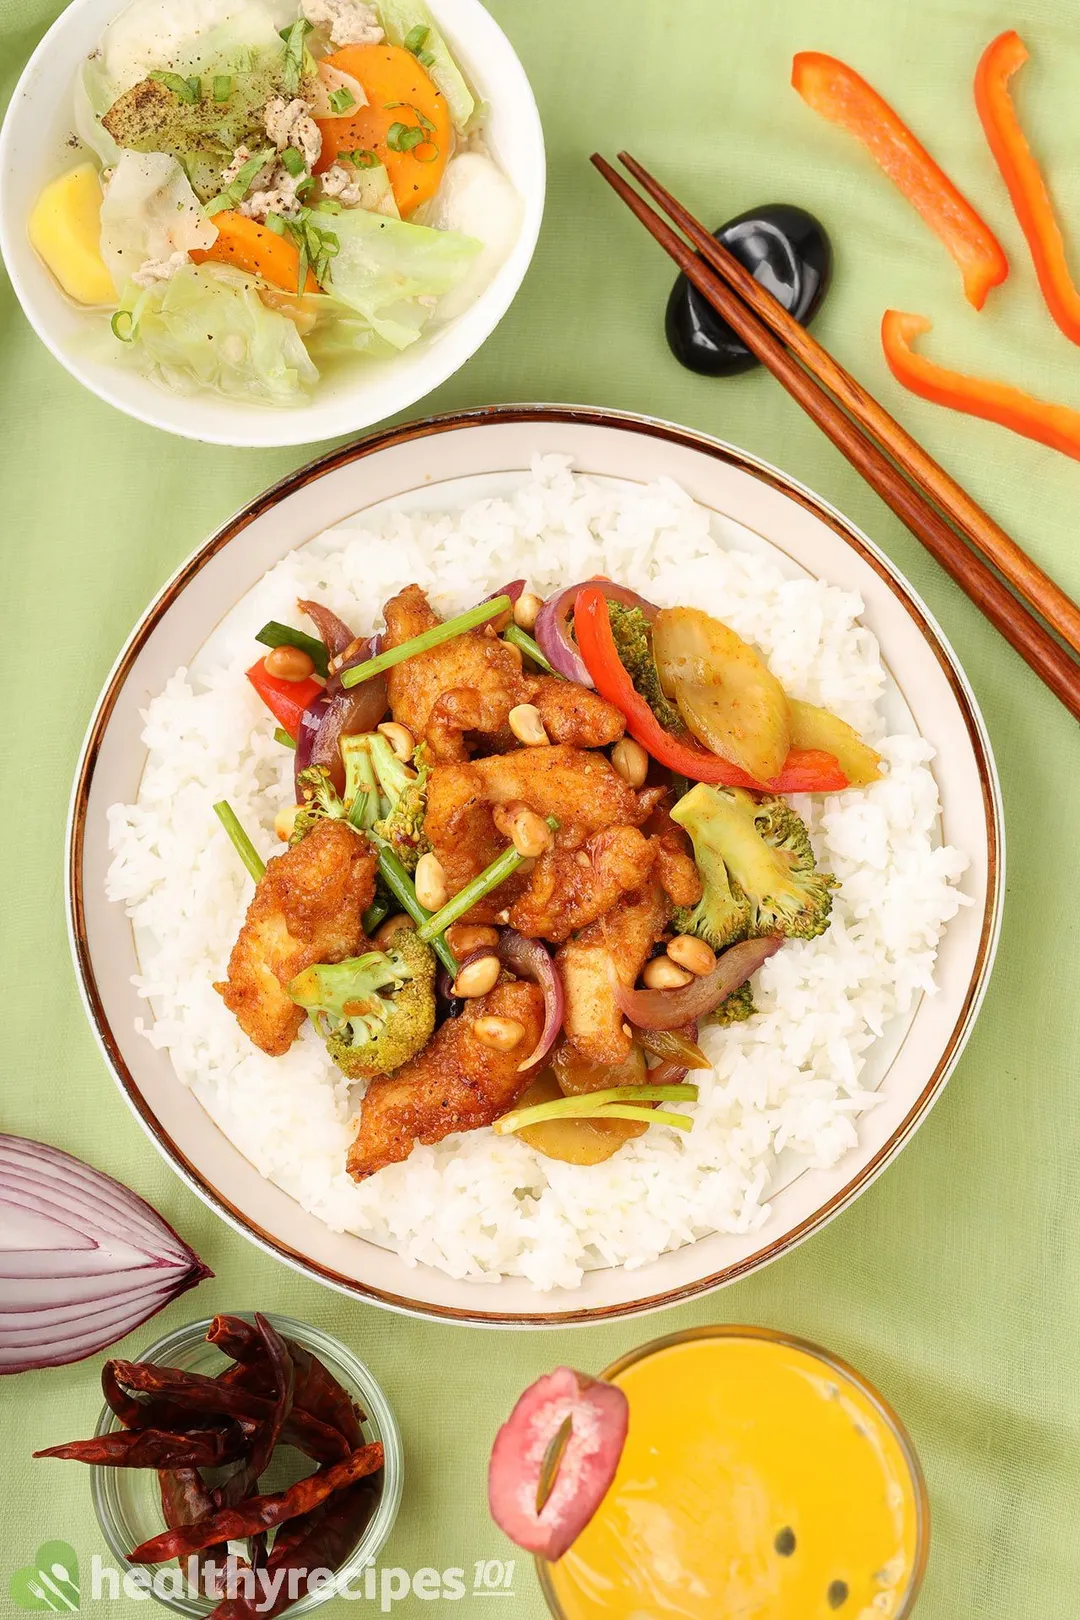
552, 630
529, 959
333, 632
83, 1259
670, 1070
668, 1009
588, 1419
333, 715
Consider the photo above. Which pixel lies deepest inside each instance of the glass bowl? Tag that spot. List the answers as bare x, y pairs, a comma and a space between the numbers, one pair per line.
839, 1372
128, 1505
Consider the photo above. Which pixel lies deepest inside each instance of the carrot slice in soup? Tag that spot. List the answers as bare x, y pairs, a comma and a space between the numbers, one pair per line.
399, 94
256, 249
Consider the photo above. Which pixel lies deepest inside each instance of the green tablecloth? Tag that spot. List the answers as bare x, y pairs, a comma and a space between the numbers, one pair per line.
953, 1282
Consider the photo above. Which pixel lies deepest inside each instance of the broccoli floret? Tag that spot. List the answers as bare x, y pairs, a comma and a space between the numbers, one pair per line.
321, 802
734, 1009
633, 644
759, 852
375, 1011
403, 826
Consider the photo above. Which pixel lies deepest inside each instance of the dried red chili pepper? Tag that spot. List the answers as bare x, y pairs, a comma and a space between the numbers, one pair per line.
192, 1392
156, 1448
322, 1540
185, 1499
317, 1390
260, 1512
151, 1414
267, 1436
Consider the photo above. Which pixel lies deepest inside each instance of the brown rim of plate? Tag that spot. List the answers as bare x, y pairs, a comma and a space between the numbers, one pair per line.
651, 427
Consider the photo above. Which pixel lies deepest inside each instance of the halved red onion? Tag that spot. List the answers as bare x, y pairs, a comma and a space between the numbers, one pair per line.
548, 1521
668, 1009
83, 1259
529, 959
552, 629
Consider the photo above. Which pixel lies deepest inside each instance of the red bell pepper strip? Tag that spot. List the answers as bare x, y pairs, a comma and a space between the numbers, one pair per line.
1021, 174
286, 700
1055, 425
842, 96
805, 770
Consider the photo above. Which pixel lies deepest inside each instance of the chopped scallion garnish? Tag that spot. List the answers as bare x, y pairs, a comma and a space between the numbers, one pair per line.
363, 158
239, 839
282, 736
426, 59
403, 137
188, 90
123, 326
519, 638
222, 86
293, 161
341, 100
276, 223
427, 639
416, 38
276, 634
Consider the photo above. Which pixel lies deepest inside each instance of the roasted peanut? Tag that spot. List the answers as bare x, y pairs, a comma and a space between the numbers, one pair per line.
393, 925
631, 761
527, 726
692, 954
664, 974
430, 881
400, 739
528, 832
526, 608
464, 938
478, 977
288, 664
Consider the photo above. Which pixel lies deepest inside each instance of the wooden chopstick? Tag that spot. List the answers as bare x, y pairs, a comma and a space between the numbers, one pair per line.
1050, 661
977, 526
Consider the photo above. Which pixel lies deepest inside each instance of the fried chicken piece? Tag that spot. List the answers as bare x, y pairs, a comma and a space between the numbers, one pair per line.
569, 889
306, 908
470, 684
581, 790
622, 939
455, 1084
572, 714
675, 868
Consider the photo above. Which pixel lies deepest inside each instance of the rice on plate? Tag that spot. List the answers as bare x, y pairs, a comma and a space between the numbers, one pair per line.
785, 1089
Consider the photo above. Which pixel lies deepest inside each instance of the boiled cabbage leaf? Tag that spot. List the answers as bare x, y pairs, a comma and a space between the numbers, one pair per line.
208, 328
149, 212
384, 268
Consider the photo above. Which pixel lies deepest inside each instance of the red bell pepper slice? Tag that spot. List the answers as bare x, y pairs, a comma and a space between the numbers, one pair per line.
842, 96
1021, 174
805, 770
1054, 425
286, 700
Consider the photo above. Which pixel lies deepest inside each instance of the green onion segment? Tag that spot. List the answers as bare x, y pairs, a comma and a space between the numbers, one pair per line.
614, 1102
401, 886
493, 874
239, 839
282, 736
521, 639
426, 640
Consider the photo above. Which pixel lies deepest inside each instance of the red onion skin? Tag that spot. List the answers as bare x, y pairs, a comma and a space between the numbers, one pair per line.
84, 1262
667, 1073
332, 715
529, 959
551, 629
670, 1009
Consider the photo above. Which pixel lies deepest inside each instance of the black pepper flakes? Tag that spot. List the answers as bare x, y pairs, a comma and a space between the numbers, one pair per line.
785, 1541
837, 1595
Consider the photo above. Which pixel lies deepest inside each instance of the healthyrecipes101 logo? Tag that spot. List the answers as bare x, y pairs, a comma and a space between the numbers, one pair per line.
51, 1582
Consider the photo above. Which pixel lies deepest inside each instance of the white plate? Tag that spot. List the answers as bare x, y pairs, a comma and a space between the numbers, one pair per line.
438, 462
35, 147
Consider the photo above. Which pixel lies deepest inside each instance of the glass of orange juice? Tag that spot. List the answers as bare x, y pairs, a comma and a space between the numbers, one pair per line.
762, 1478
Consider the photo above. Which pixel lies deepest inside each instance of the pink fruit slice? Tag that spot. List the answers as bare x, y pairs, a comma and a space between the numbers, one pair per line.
588, 1420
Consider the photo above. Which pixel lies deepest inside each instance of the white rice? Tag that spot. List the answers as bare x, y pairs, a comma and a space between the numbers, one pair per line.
480, 1206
